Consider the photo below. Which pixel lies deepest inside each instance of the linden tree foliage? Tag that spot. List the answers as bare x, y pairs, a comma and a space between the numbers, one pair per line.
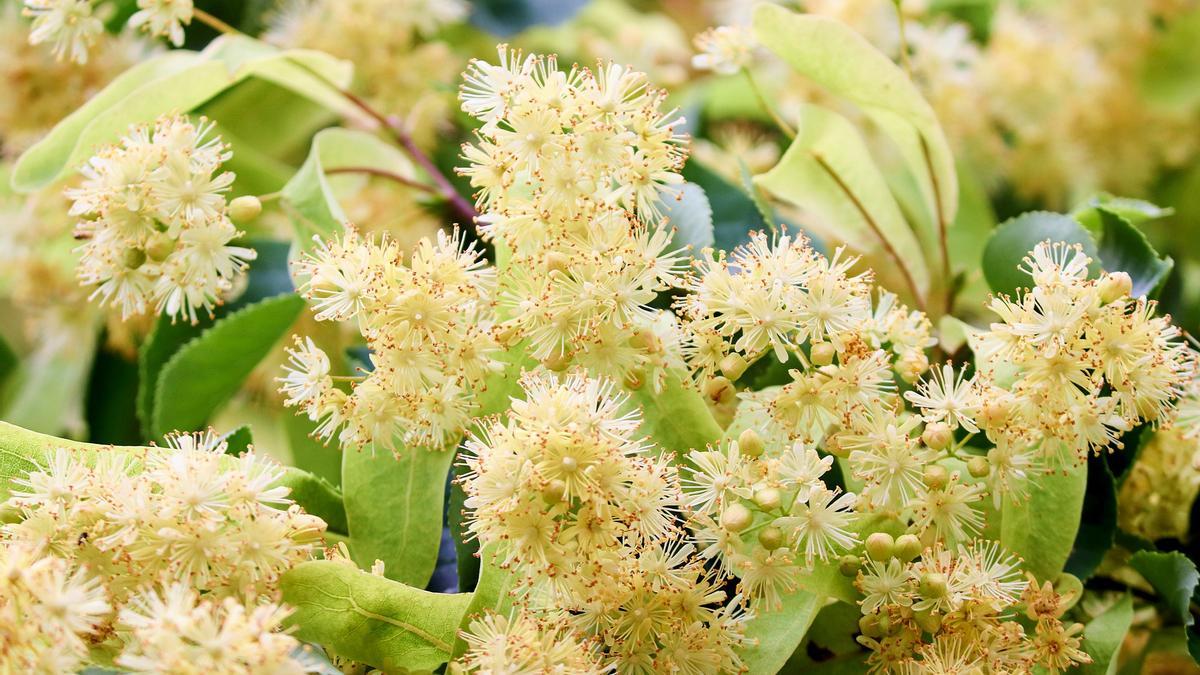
489, 336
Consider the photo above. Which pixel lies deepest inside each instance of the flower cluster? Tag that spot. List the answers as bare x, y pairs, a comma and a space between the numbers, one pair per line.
584, 513
526, 643
161, 559
176, 630
942, 611
1071, 364
571, 169
156, 222
219, 524
724, 50
766, 516
73, 27
49, 611
428, 327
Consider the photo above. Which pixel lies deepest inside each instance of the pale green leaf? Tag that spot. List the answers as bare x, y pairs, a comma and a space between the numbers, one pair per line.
492, 593
839, 59
772, 635
46, 390
394, 509
1040, 527
311, 195
1103, 636
689, 212
206, 371
370, 619
677, 418
829, 173
177, 81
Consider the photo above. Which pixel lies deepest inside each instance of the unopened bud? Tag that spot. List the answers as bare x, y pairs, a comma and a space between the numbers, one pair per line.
908, 547
937, 435
768, 499
911, 365
771, 538
133, 258
750, 443
822, 354
849, 565
880, 546
244, 209
930, 621
994, 411
159, 246
978, 467
869, 626
733, 366
554, 491
557, 362
736, 517
833, 445
557, 261
1114, 286
933, 586
936, 477
719, 390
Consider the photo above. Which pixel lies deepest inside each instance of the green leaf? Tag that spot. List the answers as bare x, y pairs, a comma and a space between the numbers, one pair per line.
493, 592
677, 418
176, 81
1103, 636
734, 212
238, 441
1040, 527
1097, 532
22, 450
1136, 211
366, 618
310, 454
1015, 238
46, 392
773, 635
205, 372
310, 196
1123, 248
1174, 579
394, 508
111, 402
839, 59
8, 359
165, 338
829, 173
692, 217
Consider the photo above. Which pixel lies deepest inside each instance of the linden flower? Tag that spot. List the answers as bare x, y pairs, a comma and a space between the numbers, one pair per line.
155, 222
724, 50
164, 18
69, 24
178, 631
524, 644
428, 329
49, 610
947, 397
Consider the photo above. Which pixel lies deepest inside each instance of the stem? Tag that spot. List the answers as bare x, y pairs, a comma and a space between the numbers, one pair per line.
269, 197
383, 173
213, 22
907, 65
443, 185
766, 106
941, 223
887, 245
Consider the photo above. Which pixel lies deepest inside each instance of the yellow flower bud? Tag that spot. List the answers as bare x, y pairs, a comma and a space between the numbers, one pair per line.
750, 443
822, 354
733, 366
880, 546
736, 517
936, 477
244, 209
908, 547
937, 435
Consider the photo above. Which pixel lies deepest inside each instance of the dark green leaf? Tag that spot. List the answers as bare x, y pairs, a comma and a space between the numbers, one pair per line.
1098, 531
8, 360
509, 17
371, 619
466, 548
394, 509
112, 400
734, 213
1015, 238
238, 441
1174, 579
1123, 248
206, 371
